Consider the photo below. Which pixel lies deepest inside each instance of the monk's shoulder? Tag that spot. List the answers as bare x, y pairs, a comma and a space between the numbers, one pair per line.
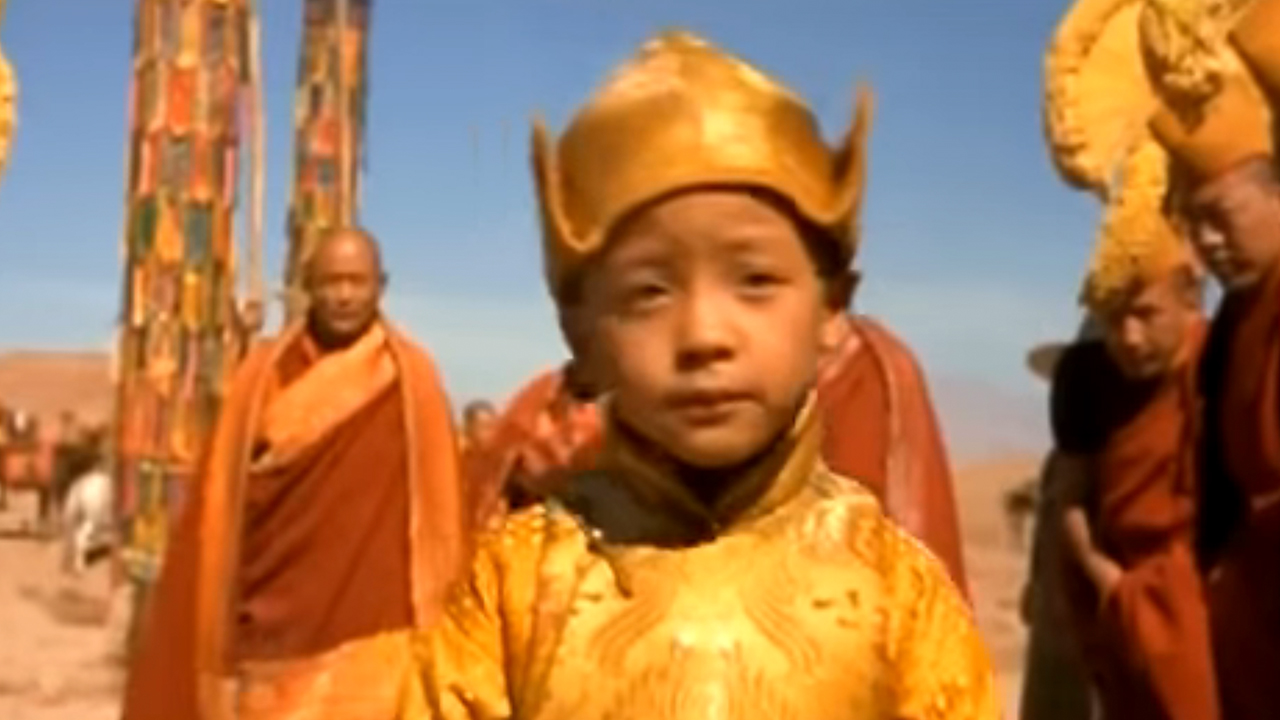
898, 360
535, 394
413, 354
1085, 396
885, 341
257, 359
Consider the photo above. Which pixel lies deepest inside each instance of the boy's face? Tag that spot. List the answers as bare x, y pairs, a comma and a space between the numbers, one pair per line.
708, 317
1147, 331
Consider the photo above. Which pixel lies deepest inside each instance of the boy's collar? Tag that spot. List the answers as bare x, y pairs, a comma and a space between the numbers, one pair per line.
774, 479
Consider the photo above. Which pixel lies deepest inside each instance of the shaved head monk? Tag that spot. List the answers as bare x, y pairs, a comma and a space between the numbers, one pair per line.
328, 520
1216, 115
1123, 409
478, 420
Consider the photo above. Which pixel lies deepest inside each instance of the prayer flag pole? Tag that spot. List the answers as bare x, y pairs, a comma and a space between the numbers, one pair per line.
329, 112
180, 331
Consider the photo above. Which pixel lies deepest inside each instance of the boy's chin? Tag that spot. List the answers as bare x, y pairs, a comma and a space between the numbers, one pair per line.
721, 448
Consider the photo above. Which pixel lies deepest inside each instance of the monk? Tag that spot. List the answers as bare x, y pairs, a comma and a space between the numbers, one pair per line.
880, 428
328, 521
1225, 153
476, 446
1055, 683
478, 423
1124, 410
549, 429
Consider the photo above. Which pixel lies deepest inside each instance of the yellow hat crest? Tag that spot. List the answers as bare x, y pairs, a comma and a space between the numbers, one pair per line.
8, 103
1257, 37
1097, 97
1211, 114
1137, 242
683, 114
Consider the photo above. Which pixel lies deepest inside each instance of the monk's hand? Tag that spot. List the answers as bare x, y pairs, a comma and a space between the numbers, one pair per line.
1106, 575
1104, 572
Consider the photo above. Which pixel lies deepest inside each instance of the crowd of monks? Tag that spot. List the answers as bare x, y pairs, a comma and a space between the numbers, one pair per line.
732, 500
1154, 591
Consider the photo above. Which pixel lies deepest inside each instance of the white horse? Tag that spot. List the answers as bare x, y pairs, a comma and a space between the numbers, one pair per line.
88, 519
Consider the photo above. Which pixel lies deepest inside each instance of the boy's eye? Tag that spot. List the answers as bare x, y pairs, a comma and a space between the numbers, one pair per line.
759, 281
643, 293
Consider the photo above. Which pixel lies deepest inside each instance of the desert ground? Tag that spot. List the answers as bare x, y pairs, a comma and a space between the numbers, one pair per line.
59, 653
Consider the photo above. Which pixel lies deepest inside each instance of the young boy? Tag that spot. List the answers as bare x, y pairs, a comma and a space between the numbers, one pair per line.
710, 566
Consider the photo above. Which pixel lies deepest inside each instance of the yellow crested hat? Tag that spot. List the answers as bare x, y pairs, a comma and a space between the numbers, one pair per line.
1137, 243
1257, 38
8, 102
683, 114
1097, 97
1211, 113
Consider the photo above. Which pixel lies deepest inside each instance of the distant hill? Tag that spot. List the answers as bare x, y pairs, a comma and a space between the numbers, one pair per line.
49, 383
981, 421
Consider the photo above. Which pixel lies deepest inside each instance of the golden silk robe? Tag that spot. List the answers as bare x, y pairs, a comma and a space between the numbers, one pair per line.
627, 598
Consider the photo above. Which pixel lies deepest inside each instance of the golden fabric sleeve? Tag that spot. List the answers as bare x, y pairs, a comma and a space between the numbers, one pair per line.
941, 667
465, 662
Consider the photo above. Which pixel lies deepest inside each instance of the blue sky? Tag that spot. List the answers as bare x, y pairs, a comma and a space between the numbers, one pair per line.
972, 248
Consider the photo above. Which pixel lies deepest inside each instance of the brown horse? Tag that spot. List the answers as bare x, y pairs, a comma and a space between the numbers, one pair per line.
33, 460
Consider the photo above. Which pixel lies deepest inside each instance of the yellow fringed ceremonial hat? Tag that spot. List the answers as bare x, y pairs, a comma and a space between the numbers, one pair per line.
683, 114
1257, 37
8, 103
1097, 97
1211, 113
1137, 242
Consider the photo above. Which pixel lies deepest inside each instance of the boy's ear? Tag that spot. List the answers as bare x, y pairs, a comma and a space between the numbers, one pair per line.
835, 328
840, 290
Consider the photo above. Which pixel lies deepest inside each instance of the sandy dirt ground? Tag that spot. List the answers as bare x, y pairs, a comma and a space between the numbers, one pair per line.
60, 636
996, 560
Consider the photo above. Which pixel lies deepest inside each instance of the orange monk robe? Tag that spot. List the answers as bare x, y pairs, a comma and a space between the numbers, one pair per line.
880, 429
328, 517
1241, 498
543, 436
1147, 644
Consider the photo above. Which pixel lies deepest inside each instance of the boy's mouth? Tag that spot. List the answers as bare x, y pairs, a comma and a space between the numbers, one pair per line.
706, 407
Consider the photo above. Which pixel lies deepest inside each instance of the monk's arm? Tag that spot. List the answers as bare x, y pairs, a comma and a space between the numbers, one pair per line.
1076, 488
1078, 417
942, 668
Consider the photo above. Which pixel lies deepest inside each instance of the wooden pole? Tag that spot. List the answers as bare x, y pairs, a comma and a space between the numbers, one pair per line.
345, 169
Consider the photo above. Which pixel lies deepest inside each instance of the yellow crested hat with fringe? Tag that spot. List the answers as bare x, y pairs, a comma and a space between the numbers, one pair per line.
1097, 98
1137, 243
683, 114
1211, 113
1256, 36
1097, 105
8, 103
